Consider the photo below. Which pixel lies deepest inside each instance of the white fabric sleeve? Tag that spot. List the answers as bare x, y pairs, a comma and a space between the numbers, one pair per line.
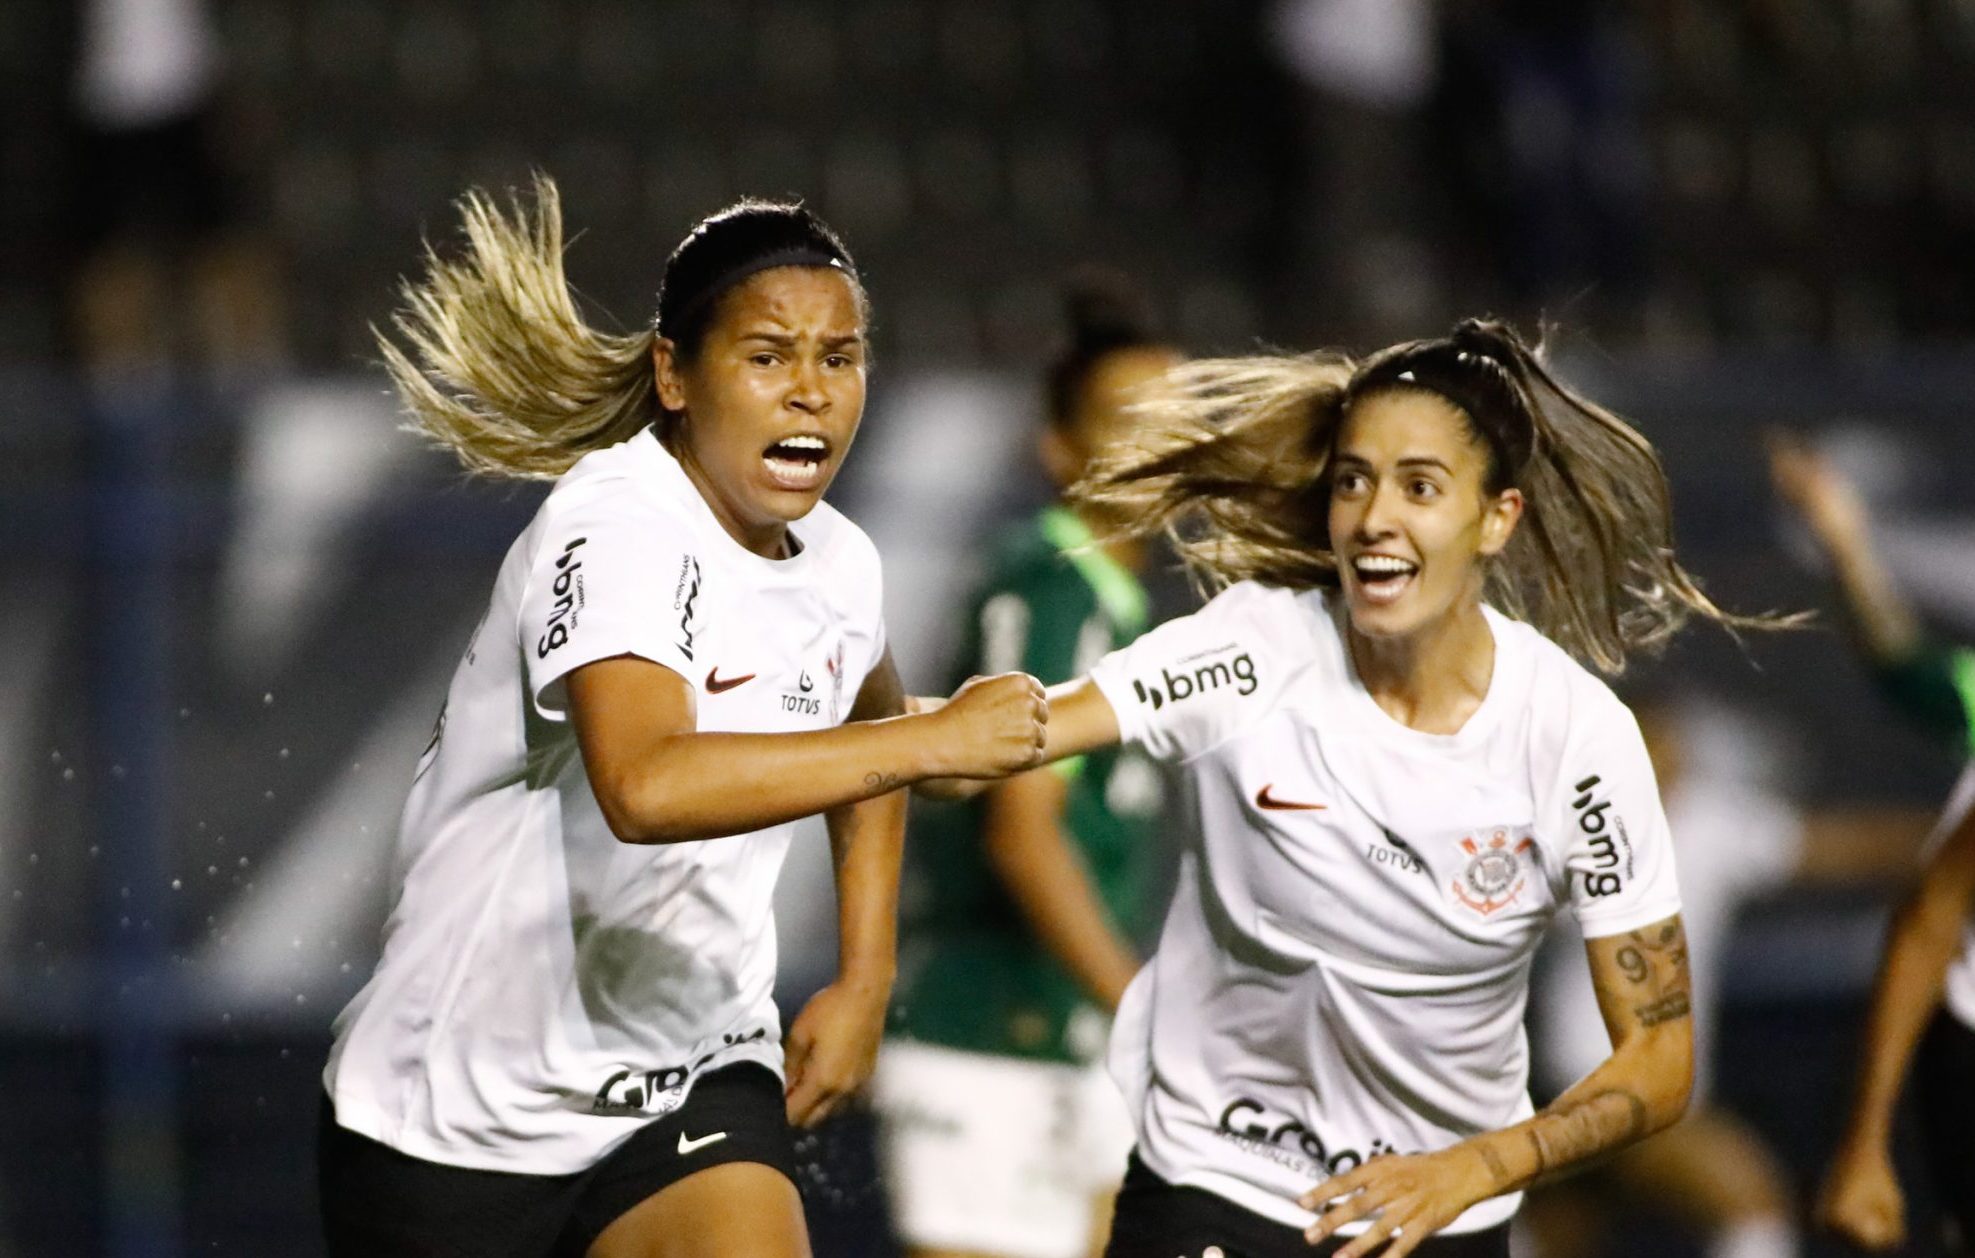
611, 575
1618, 851
1187, 685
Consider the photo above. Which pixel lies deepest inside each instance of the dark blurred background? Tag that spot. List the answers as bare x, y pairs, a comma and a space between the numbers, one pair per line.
232, 592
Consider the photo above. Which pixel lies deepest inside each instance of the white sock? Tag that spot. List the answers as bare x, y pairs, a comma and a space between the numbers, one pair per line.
1769, 1237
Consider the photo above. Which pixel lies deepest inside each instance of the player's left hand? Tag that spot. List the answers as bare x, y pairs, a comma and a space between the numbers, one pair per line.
1408, 1198
832, 1047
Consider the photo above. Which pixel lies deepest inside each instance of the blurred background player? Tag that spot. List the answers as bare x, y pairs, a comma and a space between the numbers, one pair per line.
1931, 683
1923, 1005
1923, 1016
170, 266
1001, 1136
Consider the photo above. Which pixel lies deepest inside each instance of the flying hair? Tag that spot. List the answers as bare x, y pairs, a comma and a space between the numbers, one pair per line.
1233, 464
498, 365
494, 362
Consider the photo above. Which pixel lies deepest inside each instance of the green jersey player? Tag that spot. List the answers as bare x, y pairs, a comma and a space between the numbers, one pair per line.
1001, 1136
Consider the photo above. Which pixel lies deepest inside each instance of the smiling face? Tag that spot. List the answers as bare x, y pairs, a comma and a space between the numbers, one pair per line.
771, 400
1410, 517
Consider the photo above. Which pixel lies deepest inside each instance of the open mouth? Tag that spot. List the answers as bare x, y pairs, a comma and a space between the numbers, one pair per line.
797, 462
1383, 578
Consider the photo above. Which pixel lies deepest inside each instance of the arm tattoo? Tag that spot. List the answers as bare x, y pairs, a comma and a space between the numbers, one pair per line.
1669, 943
1667, 1008
1601, 1122
881, 782
1633, 964
1495, 1164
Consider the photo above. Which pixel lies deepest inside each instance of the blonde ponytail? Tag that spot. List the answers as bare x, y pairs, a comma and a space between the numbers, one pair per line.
498, 365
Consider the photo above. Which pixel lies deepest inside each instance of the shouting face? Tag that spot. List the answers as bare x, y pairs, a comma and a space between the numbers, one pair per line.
771, 400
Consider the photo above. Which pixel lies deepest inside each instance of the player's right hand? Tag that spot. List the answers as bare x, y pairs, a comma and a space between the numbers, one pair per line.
1861, 1200
992, 727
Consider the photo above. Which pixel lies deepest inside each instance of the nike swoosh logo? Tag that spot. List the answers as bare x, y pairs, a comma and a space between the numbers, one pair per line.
716, 684
687, 1146
1265, 798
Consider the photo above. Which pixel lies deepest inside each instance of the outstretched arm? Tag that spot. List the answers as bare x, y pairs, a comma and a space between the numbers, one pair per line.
833, 1043
660, 780
1641, 978
1830, 505
1080, 721
1861, 1197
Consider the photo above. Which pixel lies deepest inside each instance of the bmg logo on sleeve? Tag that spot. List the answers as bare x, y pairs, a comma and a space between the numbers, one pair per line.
1198, 674
568, 590
1606, 832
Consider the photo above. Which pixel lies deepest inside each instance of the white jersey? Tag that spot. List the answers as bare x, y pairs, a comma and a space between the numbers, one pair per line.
1344, 967
545, 989
1960, 994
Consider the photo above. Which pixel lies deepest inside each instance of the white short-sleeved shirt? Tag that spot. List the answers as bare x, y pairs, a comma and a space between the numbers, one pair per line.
1344, 967
544, 988
1960, 993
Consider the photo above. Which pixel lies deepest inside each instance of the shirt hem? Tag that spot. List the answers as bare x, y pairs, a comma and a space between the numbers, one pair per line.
374, 1123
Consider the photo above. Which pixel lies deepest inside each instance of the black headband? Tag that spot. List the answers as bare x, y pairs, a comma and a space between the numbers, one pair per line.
1452, 375
800, 255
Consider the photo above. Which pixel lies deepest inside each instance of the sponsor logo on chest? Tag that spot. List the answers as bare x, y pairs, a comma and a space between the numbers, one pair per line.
811, 694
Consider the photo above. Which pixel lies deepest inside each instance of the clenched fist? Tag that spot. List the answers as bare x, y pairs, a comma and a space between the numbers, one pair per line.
991, 727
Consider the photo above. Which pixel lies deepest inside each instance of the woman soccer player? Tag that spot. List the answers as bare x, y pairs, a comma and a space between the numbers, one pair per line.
569, 1045
1401, 775
1923, 1014
1001, 1137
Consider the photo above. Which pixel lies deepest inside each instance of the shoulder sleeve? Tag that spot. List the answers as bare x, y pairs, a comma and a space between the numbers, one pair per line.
1605, 806
1189, 684
612, 574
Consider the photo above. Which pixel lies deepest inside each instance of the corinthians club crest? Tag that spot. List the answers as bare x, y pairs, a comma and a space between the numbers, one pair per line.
1494, 875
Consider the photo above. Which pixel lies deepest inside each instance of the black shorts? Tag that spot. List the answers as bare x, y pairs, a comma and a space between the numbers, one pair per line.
1944, 1080
380, 1203
1155, 1219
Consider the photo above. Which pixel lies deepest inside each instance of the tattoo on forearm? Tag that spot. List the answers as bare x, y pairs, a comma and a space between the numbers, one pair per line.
1496, 1167
1668, 1008
881, 782
1583, 1129
1536, 1147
